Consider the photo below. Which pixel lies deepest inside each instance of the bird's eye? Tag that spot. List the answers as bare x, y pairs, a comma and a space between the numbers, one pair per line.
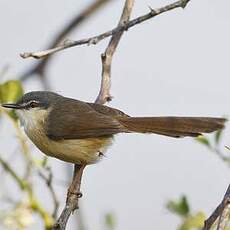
33, 104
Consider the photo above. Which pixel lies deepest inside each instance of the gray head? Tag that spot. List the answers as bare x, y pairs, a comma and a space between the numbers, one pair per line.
35, 99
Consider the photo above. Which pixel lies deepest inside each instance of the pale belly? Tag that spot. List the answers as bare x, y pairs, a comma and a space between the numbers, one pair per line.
78, 151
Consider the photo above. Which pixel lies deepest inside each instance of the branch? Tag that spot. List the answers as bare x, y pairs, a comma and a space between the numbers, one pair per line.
41, 66
107, 56
73, 196
95, 39
34, 203
74, 190
48, 180
218, 212
21, 183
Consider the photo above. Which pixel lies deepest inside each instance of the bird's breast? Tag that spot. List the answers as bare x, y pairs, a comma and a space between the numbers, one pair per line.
79, 151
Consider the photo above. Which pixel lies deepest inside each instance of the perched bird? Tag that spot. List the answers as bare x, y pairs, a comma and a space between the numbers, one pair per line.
79, 132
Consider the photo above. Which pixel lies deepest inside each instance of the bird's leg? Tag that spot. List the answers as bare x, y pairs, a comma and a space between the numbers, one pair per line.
72, 198
74, 188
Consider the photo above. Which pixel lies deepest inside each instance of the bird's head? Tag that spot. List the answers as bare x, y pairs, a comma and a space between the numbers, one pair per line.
34, 100
33, 106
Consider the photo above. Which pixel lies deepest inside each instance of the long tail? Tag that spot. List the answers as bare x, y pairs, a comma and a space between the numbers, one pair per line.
173, 126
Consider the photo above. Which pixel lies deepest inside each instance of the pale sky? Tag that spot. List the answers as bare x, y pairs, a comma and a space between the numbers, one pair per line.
174, 64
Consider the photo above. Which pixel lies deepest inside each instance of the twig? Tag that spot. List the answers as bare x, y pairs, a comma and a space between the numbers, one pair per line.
95, 39
218, 211
48, 180
41, 66
21, 183
221, 156
106, 58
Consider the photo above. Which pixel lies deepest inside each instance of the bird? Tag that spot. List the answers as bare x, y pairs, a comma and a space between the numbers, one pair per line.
80, 132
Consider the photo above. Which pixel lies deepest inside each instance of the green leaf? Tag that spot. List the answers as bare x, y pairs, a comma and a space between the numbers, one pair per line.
10, 91
44, 161
218, 135
203, 140
193, 222
109, 221
180, 207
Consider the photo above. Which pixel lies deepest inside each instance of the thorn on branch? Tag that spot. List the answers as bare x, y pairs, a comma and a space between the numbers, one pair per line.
66, 42
152, 11
93, 41
26, 55
109, 98
103, 57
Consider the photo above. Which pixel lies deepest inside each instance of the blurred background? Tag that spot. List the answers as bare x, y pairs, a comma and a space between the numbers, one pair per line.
174, 64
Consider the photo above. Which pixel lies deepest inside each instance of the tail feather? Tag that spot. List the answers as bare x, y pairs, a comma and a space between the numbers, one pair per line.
173, 126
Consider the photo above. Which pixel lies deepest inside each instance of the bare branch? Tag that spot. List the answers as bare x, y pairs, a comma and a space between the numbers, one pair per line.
74, 190
95, 39
41, 66
218, 212
72, 198
107, 56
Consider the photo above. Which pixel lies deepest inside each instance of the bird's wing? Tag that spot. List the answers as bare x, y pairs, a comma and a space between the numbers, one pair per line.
74, 119
106, 110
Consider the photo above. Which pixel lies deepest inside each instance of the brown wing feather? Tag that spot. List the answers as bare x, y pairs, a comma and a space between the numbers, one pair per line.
77, 119
109, 111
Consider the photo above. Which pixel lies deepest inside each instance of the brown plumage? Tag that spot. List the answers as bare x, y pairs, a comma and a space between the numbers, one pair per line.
173, 126
77, 120
77, 131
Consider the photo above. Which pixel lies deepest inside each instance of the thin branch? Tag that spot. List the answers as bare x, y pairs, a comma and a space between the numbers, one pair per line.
21, 183
35, 205
95, 39
107, 56
41, 66
74, 190
73, 196
48, 180
218, 211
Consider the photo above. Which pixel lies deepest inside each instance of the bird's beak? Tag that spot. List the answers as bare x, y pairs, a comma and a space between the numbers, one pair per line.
12, 106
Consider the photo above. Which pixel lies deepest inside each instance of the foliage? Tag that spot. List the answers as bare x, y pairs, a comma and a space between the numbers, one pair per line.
20, 213
189, 220
10, 91
110, 221
181, 208
213, 144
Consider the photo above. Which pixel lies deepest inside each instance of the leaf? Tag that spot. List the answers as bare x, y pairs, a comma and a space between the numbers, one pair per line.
109, 221
218, 135
203, 140
180, 207
193, 222
10, 91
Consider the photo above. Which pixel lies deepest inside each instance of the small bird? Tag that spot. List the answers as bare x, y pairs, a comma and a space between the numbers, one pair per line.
80, 132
